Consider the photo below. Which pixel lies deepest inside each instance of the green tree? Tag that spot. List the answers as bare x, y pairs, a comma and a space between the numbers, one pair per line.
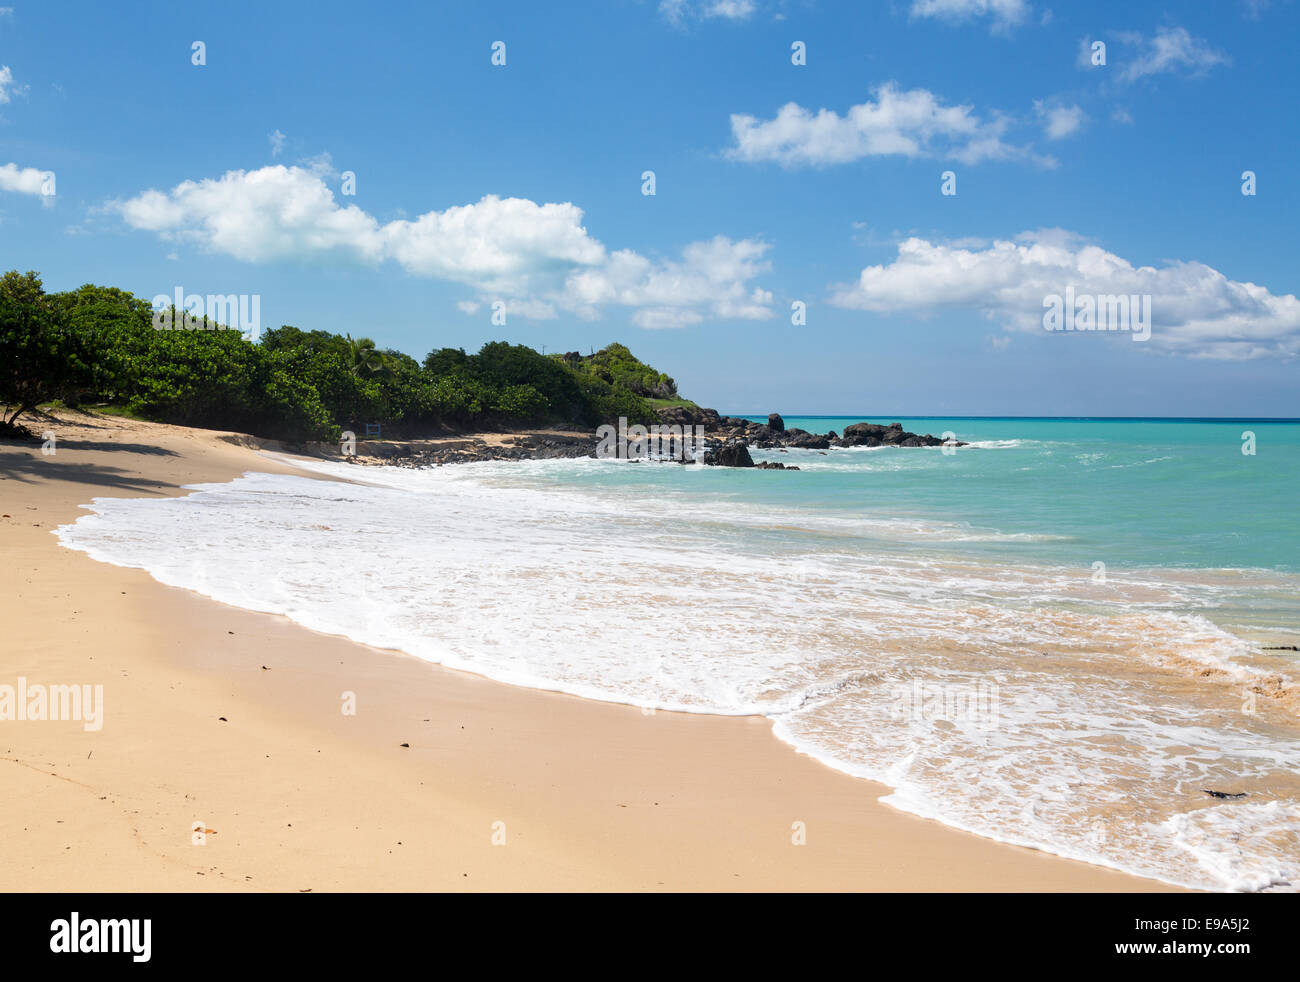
366, 358
218, 380
40, 358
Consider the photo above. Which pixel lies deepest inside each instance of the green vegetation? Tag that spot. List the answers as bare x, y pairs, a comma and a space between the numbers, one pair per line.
671, 403
98, 346
620, 368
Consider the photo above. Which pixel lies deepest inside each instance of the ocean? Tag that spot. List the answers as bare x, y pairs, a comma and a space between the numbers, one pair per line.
1059, 636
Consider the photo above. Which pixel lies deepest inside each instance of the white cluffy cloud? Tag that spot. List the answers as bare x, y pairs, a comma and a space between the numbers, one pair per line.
1171, 50
1003, 14
538, 258
712, 276
277, 140
275, 213
912, 123
24, 180
1195, 309
678, 12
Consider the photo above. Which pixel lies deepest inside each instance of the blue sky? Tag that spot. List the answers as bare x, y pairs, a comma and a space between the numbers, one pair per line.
774, 183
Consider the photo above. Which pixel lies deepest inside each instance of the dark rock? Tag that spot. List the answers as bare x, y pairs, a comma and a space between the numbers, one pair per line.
775, 423
893, 435
768, 465
809, 441
1224, 794
690, 416
862, 435
730, 455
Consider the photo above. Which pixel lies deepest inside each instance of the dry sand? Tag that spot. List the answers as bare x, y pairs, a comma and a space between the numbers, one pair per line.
592, 796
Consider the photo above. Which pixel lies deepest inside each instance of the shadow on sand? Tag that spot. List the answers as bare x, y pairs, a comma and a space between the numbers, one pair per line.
28, 468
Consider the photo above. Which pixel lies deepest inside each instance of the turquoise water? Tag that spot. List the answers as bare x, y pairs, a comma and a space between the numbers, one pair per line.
1136, 493
1130, 494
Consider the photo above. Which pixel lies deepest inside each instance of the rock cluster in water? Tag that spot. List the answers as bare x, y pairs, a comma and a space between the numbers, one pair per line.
774, 434
728, 440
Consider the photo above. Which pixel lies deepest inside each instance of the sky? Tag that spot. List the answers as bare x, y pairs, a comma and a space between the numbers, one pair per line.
420, 172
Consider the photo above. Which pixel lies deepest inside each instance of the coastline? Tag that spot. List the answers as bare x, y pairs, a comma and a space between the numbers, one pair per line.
301, 797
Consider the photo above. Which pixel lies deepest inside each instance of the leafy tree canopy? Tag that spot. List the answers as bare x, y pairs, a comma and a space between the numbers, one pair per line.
98, 344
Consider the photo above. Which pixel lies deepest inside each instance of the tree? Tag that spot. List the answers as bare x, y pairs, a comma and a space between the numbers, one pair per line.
100, 343
446, 361
219, 380
107, 328
39, 360
366, 358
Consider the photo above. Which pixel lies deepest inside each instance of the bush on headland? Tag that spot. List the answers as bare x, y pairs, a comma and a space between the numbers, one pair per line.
616, 365
98, 345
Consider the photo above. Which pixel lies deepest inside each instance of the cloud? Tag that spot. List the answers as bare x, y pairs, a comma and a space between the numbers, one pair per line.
503, 245
8, 87
538, 258
678, 12
322, 164
273, 214
712, 276
1059, 121
1195, 309
729, 9
1004, 14
468, 306
277, 142
912, 123
1172, 50
1252, 9
24, 180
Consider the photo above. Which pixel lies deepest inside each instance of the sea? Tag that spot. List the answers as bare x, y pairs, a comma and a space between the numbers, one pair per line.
1075, 635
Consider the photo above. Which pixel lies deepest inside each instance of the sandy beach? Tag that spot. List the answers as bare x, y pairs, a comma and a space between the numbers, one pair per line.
441, 780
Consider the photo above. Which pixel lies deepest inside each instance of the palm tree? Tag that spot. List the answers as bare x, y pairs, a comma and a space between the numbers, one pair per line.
365, 357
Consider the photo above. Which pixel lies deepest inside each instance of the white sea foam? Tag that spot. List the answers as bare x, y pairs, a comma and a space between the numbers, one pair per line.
1074, 730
